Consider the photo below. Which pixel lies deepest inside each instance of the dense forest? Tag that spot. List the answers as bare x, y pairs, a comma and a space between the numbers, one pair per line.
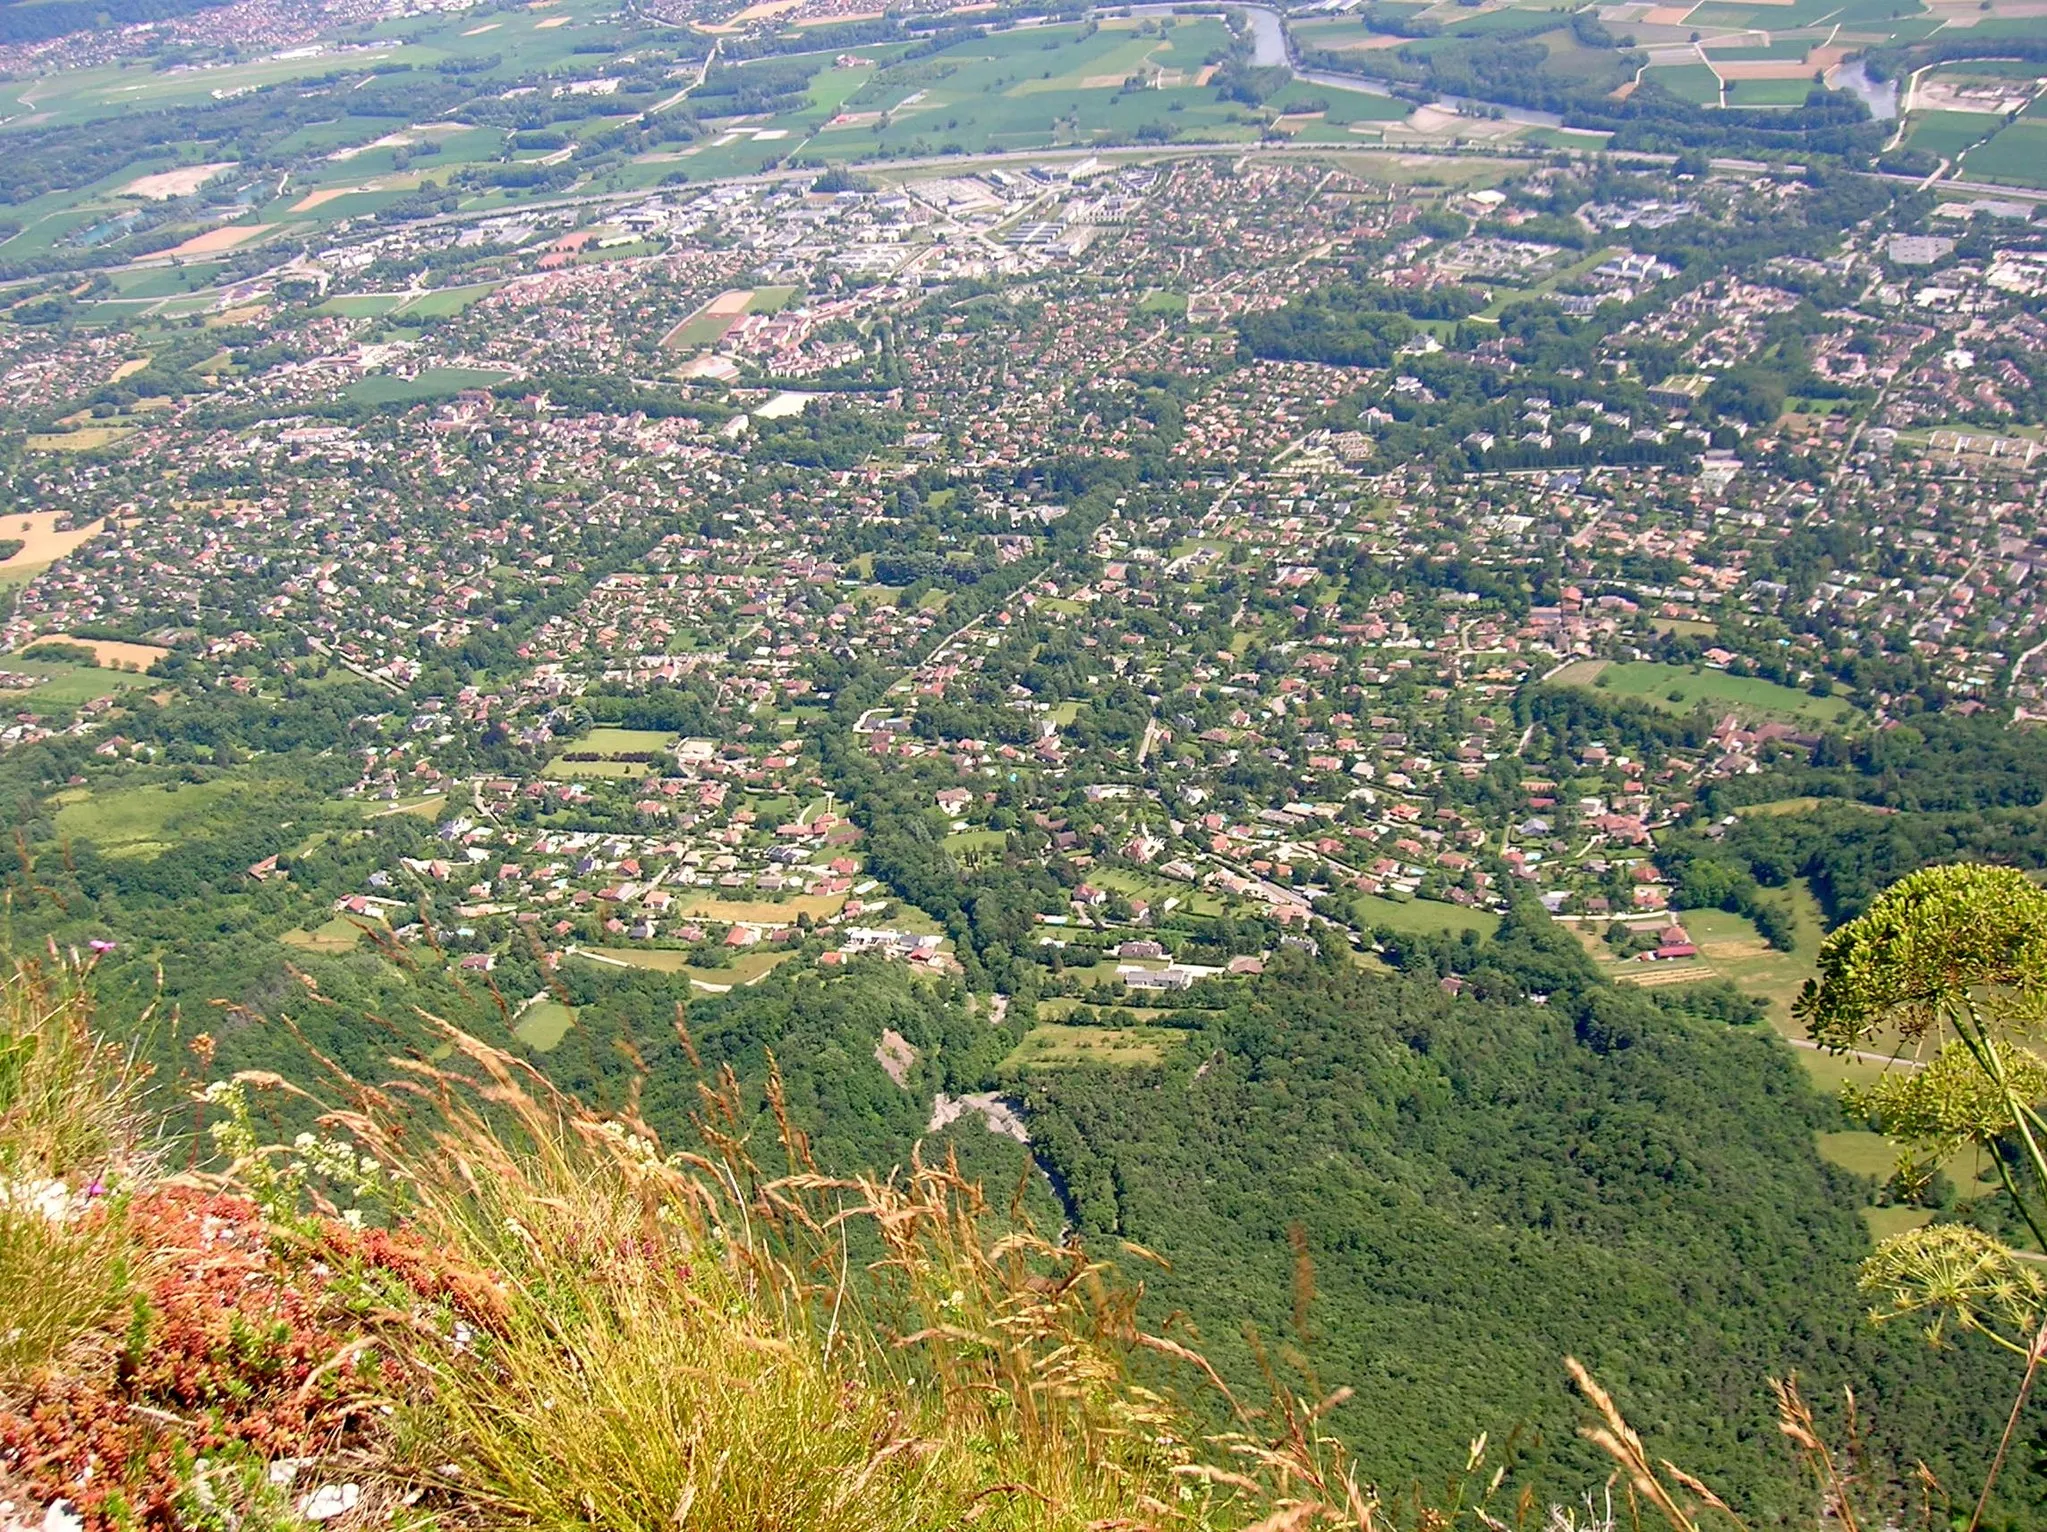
1430, 1199
1481, 1187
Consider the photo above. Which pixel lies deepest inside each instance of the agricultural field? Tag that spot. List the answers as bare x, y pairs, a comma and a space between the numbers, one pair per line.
2017, 155
1695, 83
1757, 93
43, 543
1034, 87
1947, 134
1677, 689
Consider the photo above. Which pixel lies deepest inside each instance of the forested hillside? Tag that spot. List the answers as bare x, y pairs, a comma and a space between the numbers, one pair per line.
1480, 1186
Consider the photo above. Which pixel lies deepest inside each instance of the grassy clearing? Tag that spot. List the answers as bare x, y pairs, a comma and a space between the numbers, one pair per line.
1049, 1043
338, 935
1422, 917
113, 653
1732, 948
544, 1024
79, 438
1059, 1007
744, 968
433, 383
64, 685
143, 821
1873, 1155
1679, 689
1156, 891
561, 771
2017, 155
612, 742
962, 841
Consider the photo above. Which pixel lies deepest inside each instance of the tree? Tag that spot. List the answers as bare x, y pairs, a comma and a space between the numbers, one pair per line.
1953, 959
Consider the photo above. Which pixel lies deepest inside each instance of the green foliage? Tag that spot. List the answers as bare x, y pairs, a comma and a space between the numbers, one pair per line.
68, 654
1954, 957
1930, 942
1481, 1184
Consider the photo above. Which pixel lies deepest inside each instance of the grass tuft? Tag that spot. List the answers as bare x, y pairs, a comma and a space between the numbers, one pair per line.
71, 1126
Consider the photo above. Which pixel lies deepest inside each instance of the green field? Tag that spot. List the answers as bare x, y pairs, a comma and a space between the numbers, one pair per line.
1949, 133
962, 841
2016, 156
1679, 689
1873, 1155
341, 934
744, 968
611, 744
699, 330
1761, 93
609, 741
544, 1024
433, 383
65, 685
1049, 1043
144, 821
1689, 82
1156, 891
1421, 917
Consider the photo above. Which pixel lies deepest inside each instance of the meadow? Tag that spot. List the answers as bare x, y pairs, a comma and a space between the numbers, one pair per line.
1422, 917
543, 1024
341, 934
2017, 155
63, 684
1049, 1044
146, 820
432, 383
1029, 88
1679, 689
745, 967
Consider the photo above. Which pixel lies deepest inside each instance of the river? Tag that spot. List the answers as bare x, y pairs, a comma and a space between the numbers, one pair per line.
1882, 100
1269, 51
